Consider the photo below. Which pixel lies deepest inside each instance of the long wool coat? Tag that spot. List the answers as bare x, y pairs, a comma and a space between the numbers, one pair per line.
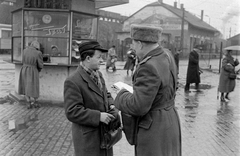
154, 87
29, 73
83, 103
227, 85
111, 58
193, 75
131, 59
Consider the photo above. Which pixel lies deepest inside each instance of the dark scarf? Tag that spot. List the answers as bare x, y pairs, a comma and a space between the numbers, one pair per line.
94, 75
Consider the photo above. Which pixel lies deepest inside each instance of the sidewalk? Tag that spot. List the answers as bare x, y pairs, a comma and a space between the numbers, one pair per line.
209, 127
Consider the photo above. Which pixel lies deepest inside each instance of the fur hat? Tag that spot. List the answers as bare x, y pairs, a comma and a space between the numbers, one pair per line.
146, 33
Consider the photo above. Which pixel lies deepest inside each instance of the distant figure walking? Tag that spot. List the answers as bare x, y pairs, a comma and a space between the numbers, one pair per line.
193, 71
226, 82
29, 74
131, 59
111, 58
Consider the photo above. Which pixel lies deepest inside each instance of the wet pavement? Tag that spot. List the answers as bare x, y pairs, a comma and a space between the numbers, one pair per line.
209, 127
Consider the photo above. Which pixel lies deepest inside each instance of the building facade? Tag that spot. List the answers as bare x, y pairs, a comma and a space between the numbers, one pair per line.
5, 38
170, 18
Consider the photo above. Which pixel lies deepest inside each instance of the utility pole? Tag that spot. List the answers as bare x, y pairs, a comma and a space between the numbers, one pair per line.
230, 32
182, 30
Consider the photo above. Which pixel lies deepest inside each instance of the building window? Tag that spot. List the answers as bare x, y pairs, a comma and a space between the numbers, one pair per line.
113, 20
101, 18
6, 34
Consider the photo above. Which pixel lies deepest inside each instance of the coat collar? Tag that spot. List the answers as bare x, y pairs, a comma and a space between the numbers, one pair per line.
90, 82
155, 52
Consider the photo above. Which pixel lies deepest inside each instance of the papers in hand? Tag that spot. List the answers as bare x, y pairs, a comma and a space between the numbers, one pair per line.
121, 85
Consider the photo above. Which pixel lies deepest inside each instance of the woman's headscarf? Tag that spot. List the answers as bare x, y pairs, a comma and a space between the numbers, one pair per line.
35, 44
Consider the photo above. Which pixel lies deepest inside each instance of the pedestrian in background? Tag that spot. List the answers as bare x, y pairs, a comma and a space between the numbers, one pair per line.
226, 83
176, 58
153, 97
111, 58
193, 71
131, 60
29, 74
88, 104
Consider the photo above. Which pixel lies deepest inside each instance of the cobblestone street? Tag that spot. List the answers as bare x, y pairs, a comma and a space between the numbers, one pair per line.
209, 127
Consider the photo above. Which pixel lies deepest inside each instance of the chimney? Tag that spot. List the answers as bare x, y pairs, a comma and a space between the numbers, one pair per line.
160, 1
175, 4
202, 15
181, 6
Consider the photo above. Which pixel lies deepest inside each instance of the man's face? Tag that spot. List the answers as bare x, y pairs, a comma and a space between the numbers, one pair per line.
137, 46
95, 60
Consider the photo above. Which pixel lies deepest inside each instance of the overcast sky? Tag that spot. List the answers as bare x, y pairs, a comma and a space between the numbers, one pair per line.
224, 15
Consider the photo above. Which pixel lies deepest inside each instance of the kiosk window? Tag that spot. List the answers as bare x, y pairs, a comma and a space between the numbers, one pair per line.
47, 24
17, 56
17, 24
84, 26
50, 46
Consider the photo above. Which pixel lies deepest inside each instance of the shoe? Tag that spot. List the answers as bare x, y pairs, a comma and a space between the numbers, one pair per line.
29, 105
222, 99
37, 105
226, 97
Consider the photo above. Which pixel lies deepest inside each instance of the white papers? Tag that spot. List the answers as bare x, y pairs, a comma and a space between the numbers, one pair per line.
121, 85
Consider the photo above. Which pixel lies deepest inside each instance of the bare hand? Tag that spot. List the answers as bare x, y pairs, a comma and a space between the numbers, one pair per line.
106, 117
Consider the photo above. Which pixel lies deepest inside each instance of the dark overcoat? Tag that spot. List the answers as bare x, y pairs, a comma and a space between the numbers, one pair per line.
152, 100
193, 75
227, 85
83, 103
29, 72
111, 58
131, 59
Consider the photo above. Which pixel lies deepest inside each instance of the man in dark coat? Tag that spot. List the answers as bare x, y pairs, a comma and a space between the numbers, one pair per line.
152, 100
193, 71
87, 102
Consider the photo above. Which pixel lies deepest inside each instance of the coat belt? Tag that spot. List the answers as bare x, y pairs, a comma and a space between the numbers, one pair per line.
28, 65
166, 105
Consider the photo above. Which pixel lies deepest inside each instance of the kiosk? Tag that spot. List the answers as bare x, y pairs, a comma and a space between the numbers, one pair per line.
58, 25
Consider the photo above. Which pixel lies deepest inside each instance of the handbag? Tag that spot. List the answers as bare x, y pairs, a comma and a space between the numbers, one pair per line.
110, 138
130, 127
232, 76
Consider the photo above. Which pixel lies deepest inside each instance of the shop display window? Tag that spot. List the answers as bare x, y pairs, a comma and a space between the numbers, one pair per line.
17, 55
46, 24
58, 43
17, 23
84, 28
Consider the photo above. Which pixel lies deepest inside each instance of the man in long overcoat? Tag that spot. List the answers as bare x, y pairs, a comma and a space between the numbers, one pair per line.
193, 71
87, 102
111, 58
152, 101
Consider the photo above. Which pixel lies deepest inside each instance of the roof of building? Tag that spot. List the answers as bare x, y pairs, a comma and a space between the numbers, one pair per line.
189, 17
236, 37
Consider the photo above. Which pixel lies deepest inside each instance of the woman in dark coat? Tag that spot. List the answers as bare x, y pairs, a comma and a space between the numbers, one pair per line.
131, 59
29, 74
227, 85
193, 71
